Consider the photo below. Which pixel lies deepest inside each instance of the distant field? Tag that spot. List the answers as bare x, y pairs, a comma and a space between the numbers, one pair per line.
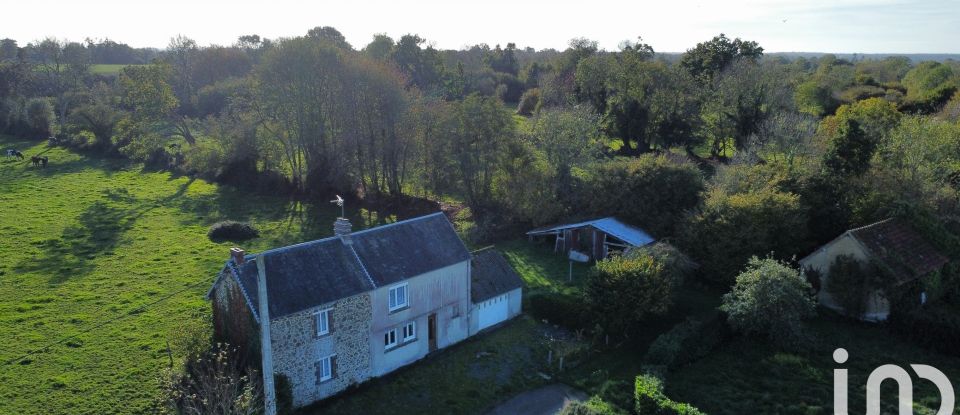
88, 240
108, 69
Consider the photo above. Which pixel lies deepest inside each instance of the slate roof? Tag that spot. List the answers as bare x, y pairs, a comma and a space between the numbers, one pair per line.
900, 247
312, 273
610, 225
491, 275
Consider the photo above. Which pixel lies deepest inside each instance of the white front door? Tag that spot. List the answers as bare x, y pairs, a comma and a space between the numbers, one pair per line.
493, 311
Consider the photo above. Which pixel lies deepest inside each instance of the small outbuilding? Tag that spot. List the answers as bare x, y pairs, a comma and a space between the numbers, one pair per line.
892, 243
595, 238
496, 290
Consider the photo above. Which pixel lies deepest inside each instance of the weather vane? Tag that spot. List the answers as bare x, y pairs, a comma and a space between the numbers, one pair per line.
339, 202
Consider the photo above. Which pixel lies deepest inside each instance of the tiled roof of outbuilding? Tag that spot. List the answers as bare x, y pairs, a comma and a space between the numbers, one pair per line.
900, 247
491, 275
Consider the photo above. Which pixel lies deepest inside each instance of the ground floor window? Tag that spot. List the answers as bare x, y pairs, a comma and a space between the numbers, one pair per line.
410, 331
325, 368
390, 339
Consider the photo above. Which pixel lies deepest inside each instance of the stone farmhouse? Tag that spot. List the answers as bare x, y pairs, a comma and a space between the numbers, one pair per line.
335, 312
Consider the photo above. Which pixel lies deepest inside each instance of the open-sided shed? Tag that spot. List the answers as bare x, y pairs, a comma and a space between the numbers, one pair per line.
596, 238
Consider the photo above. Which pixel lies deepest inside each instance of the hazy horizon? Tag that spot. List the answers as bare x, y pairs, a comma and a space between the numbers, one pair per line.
817, 26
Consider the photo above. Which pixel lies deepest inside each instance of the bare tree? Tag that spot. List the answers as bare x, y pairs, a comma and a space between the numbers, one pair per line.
213, 384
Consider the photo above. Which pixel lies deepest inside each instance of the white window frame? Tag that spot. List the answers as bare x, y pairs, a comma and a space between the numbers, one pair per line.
326, 368
393, 294
388, 336
322, 321
411, 329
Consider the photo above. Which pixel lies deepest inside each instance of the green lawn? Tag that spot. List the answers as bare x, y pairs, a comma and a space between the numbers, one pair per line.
87, 240
464, 379
748, 375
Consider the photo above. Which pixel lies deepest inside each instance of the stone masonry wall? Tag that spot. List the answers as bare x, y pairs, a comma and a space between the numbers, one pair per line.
297, 349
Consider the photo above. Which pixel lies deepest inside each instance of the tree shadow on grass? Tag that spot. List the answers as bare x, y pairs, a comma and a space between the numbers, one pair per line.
98, 231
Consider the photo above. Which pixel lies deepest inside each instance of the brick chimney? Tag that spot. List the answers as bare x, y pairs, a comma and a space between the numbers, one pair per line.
237, 255
342, 228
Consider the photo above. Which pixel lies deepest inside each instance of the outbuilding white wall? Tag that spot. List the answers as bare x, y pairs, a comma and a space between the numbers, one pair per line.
878, 308
514, 308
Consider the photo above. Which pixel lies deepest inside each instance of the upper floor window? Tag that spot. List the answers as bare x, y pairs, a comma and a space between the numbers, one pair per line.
398, 297
322, 320
410, 331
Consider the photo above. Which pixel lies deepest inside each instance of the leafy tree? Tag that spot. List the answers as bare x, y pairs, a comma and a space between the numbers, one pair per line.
422, 65
503, 60
8, 50
634, 189
568, 139
770, 299
623, 290
709, 58
850, 151
62, 67
380, 47
329, 34
876, 116
815, 99
151, 101
99, 114
753, 223
481, 129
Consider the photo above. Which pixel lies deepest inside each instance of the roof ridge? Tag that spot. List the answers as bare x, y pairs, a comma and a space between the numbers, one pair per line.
870, 225
399, 222
335, 237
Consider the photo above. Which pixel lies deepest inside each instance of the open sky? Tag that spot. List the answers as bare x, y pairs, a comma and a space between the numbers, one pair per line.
840, 26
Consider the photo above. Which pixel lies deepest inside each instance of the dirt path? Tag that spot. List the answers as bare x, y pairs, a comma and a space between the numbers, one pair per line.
544, 401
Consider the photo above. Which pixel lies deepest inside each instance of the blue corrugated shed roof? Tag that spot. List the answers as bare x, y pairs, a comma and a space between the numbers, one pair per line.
612, 226
309, 274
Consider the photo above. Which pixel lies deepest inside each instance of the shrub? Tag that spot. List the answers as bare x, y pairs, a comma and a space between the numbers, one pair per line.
649, 399
686, 342
562, 309
849, 283
529, 102
936, 326
594, 406
232, 231
39, 118
770, 299
622, 290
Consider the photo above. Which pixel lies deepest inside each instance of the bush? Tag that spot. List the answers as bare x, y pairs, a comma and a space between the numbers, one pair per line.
649, 399
730, 228
594, 406
770, 299
529, 102
850, 283
687, 342
39, 118
561, 309
622, 290
936, 326
232, 231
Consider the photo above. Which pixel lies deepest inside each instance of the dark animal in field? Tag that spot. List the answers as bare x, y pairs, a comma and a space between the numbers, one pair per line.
18, 154
43, 161
35, 160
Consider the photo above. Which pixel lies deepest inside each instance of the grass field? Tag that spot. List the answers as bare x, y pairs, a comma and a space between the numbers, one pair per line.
87, 240
107, 69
